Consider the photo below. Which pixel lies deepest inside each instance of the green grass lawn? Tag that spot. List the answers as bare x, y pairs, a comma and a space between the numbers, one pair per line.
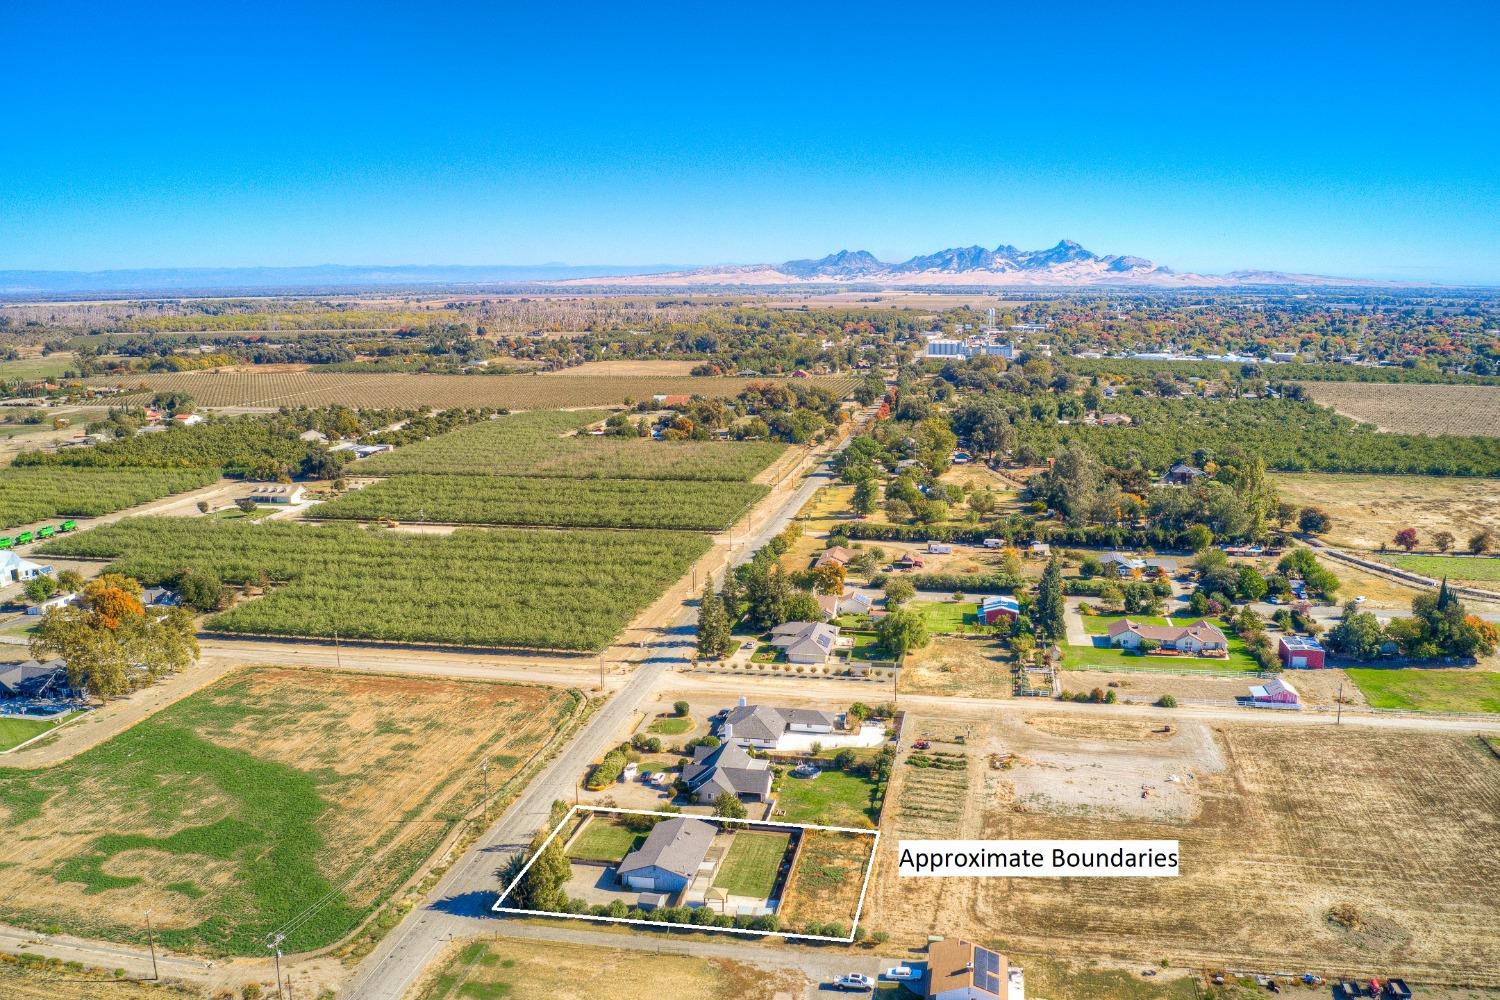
14, 732
1485, 568
1423, 690
670, 726
833, 798
16, 430
949, 617
866, 646
51, 366
1099, 624
23, 625
754, 860
1108, 658
605, 840
235, 514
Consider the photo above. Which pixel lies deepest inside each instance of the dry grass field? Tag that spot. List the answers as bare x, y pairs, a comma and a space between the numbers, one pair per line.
826, 878
537, 970
969, 668
1414, 409
56, 981
549, 391
1317, 687
1337, 851
1367, 511
232, 811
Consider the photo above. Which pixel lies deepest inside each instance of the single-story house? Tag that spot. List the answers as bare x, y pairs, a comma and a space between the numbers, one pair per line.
274, 493
992, 609
805, 642
726, 768
160, 597
1300, 652
960, 970
765, 726
834, 605
1113, 420
1120, 564
55, 601
1182, 474
1199, 637
13, 568
834, 554
670, 857
32, 679
187, 419
909, 561
313, 437
1275, 692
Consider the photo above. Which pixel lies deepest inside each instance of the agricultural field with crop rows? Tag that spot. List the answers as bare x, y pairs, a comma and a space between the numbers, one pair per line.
517, 392
28, 495
230, 443
1415, 409
542, 444
586, 503
476, 587
274, 799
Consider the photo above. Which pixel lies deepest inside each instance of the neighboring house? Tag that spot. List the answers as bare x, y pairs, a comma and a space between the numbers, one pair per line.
1274, 692
13, 568
764, 726
55, 601
159, 597
1113, 420
1199, 637
836, 554
992, 609
726, 768
31, 679
270, 493
317, 437
187, 419
1300, 652
805, 642
959, 970
909, 561
669, 858
1182, 474
1120, 564
855, 604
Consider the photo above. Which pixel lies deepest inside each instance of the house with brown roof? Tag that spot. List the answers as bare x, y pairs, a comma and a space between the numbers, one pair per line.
834, 554
1200, 637
960, 970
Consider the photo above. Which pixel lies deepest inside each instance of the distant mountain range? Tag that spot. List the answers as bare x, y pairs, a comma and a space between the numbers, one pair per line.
1065, 265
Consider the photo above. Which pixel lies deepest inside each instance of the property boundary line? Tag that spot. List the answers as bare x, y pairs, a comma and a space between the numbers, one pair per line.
499, 906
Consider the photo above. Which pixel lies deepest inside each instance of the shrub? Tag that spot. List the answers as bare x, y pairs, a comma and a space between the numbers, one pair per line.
1166, 701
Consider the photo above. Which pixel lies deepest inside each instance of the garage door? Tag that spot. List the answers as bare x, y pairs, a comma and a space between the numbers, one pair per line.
1299, 661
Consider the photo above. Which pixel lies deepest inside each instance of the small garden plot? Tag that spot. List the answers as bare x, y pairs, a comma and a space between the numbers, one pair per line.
1421, 690
931, 802
833, 798
595, 503
824, 886
604, 839
753, 863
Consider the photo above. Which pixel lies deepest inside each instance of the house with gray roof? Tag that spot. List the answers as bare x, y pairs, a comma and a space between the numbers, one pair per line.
764, 726
670, 856
805, 642
726, 768
31, 679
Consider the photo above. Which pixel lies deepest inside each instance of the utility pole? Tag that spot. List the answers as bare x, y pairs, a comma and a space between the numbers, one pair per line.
484, 769
337, 659
601, 675
275, 945
1338, 719
151, 942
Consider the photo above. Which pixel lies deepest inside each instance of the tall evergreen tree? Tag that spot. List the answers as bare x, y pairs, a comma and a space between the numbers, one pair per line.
713, 626
730, 596
1049, 615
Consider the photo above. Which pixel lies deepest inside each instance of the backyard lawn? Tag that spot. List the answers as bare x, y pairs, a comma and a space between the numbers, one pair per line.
1424, 690
952, 617
604, 840
14, 731
671, 725
866, 646
1099, 624
752, 865
833, 798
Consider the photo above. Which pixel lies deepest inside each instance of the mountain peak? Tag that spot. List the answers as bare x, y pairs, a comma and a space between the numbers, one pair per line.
843, 264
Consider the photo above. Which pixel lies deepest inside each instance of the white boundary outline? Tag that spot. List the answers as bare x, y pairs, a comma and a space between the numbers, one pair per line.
499, 906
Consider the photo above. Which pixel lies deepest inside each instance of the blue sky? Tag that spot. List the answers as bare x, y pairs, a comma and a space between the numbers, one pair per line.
1267, 136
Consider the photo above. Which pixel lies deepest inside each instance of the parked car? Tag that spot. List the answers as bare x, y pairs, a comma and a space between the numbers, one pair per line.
1360, 599
922, 745
854, 982
901, 974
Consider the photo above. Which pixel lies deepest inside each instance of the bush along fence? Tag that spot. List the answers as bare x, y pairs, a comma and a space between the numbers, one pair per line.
1025, 532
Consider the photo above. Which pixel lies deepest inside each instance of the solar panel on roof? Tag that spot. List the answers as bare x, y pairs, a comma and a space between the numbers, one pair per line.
987, 970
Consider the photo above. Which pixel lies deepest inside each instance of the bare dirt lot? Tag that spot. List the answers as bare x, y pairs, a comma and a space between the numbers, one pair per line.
1367, 511
634, 368
1414, 409
969, 668
1317, 687
1338, 851
826, 879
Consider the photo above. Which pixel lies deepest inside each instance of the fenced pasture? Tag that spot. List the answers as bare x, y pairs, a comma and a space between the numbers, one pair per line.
28, 495
275, 799
544, 391
588, 503
543, 444
475, 587
1414, 409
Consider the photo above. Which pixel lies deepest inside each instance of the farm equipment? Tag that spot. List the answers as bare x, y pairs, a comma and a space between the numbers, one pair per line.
25, 537
69, 525
46, 531
6, 541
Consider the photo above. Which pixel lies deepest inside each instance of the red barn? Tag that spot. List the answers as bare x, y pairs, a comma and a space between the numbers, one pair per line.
992, 609
1300, 652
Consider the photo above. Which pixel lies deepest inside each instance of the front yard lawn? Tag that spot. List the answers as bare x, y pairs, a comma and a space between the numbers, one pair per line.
672, 725
15, 731
950, 617
833, 798
604, 840
1109, 658
1423, 690
753, 863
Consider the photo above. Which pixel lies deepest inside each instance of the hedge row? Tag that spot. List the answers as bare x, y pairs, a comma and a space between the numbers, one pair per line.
966, 583
1133, 538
